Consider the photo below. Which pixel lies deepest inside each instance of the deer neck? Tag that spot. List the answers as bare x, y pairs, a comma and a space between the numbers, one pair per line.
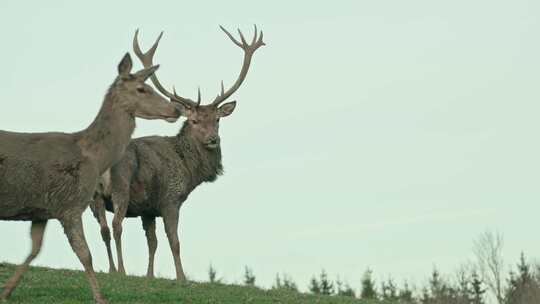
105, 140
203, 164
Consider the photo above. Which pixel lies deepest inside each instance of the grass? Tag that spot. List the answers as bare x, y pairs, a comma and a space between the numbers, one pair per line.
46, 285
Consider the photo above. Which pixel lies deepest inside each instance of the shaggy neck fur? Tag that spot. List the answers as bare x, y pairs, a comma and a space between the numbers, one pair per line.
106, 139
204, 165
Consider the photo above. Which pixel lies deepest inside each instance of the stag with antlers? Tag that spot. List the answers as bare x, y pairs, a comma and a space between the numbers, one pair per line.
158, 173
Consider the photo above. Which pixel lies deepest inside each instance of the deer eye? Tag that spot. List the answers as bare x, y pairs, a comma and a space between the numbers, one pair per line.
141, 90
194, 121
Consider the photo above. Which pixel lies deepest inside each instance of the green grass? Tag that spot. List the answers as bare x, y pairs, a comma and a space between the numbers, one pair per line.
45, 285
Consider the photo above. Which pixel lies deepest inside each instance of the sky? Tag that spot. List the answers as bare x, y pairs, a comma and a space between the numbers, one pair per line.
368, 134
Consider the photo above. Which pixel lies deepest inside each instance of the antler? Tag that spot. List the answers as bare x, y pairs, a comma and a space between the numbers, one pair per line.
249, 50
147, 59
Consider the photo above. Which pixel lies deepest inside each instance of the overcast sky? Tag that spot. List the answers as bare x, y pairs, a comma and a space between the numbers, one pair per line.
381, 134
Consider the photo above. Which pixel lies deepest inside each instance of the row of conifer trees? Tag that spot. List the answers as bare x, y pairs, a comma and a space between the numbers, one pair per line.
484, 281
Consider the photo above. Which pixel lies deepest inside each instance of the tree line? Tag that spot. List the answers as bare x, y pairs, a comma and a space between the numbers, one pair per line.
482, 281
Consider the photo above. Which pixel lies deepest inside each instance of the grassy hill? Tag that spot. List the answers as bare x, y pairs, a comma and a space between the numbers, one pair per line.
45, 285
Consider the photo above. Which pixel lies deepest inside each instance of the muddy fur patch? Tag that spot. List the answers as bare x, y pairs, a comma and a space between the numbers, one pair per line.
2, 159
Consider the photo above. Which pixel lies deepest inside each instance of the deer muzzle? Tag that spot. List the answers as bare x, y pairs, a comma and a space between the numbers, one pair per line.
212, 142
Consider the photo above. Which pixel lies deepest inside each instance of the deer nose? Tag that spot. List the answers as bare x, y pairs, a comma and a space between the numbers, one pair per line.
212, 140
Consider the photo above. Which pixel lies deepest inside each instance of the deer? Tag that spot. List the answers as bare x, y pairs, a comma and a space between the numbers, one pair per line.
53, 175
157, 173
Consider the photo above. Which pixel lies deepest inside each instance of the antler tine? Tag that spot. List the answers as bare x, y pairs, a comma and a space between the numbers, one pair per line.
260, 41
185, 101
255, 35
147, 61
242, 38
199, 96
231, 36
249, 50
174, 92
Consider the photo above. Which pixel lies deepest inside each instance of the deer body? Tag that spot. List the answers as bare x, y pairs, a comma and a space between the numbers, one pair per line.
153, 179
59, 167
54, 175
54, 168
161, 174
157, 174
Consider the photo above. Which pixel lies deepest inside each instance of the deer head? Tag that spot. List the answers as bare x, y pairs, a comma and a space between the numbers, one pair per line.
138, 98
203, 120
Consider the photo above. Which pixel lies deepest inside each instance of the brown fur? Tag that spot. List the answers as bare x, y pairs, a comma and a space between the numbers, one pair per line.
54, 175
155, 177
157, 174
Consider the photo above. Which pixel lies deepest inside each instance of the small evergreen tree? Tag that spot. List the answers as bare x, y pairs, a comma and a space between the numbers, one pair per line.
524, 270
327, 287
477, 289
522, 287
314, 286
440, 291
277, 283
339, 285
368, 286
347, 291
212, 275
289, 284
344, 289
425, 298
285, 284
405, 295
249, 277
463, 290
435, 284
389, 290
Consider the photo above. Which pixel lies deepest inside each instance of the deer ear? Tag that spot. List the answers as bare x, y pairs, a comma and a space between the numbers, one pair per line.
144, 74
226, 109
124, 68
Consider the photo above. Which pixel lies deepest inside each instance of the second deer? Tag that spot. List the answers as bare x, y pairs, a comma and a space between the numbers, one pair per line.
158, 173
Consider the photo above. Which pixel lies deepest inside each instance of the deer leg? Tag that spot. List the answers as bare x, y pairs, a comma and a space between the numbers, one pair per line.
98, 209
119, 215
149, 225
73, 229
170, 220
36, 232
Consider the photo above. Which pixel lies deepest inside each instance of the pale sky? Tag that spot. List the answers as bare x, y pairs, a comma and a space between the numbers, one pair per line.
382, 134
